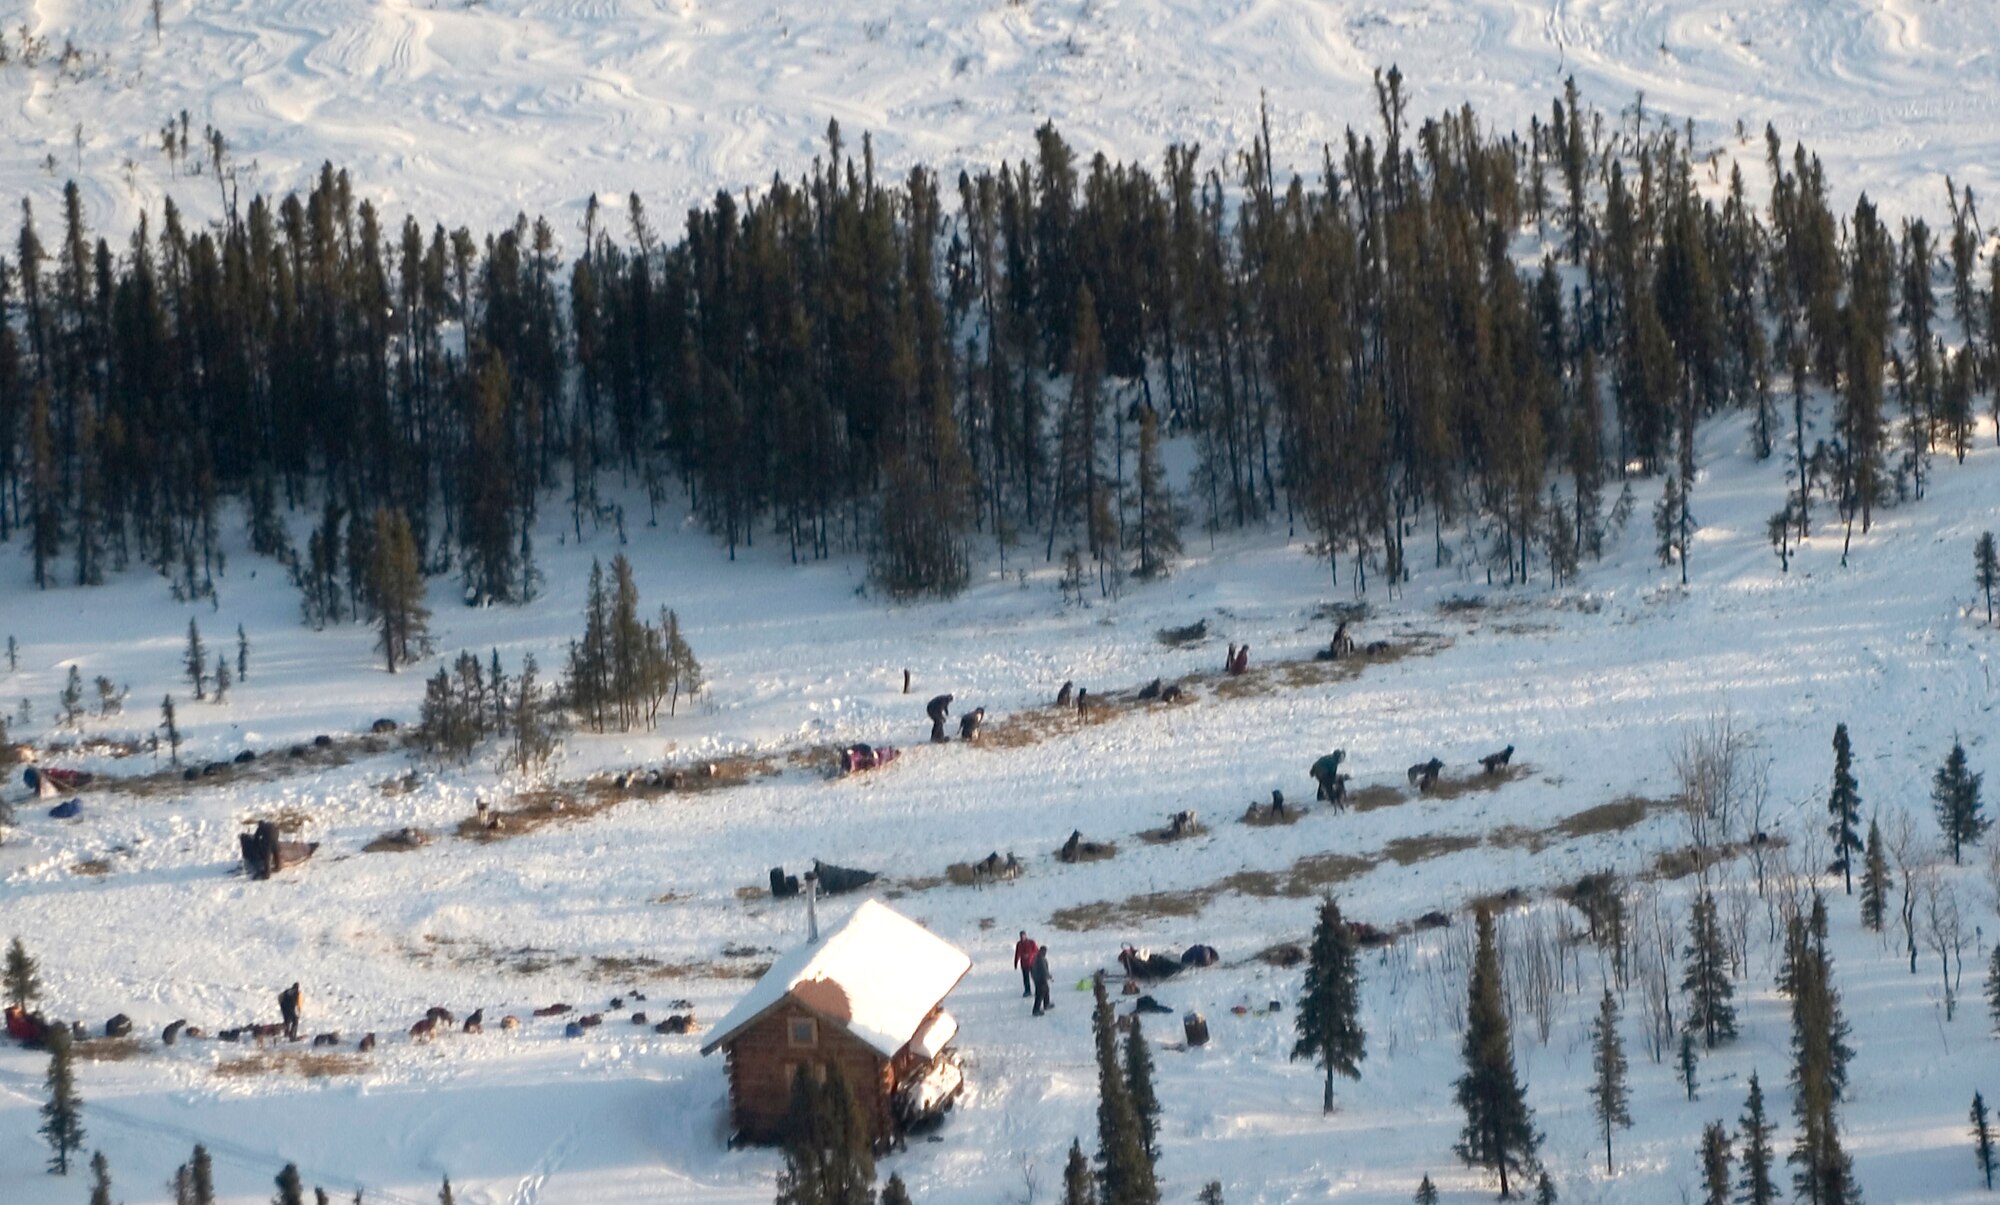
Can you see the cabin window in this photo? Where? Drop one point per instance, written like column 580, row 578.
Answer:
column 803, row 1031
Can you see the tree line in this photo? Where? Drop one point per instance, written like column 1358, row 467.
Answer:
column 1451, row 325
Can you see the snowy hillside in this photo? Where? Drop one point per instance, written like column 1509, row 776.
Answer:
column 661, row 894
column 471, row 112
column 596, row 890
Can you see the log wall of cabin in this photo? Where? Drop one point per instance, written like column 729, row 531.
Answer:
column 763, row 1058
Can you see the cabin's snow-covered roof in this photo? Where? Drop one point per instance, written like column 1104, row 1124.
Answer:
column 877, row 975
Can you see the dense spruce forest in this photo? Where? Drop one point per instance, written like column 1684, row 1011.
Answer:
column 1452, row 329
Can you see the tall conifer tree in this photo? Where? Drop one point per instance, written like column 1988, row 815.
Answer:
column 62, row 1112
column 1844, row 804
column 1982, row 1139
column 1124, row 1169
column 1608, row 1096
column 1327, row 1021
column 1756, row 1187
column 1714, row 1164
column 1955, row 793
column 1499, row 1133
column 1707, row 980
column 1874, row 880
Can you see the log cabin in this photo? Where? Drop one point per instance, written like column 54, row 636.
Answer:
column 868, row 997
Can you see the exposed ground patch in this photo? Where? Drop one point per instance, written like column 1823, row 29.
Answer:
column 268, row 767
column 1473, row 784
column 304, row 1063
column 107, row 1050
column 1316, row 873
column 736, row 962
column 396, row 841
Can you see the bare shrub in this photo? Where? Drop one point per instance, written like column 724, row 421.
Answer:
column 1907, row 854
column 1944, row 933
column 1655, row 949
column 1717, row 777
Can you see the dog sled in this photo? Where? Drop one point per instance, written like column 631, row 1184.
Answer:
column 50, row 780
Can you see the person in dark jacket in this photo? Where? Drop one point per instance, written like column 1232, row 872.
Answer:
column 289, row 1006
column 1024, row 957
column 1326, row 772
column 938, row 709
column 968, row 724
column 1040, row 974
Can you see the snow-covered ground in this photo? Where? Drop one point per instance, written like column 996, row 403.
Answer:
column 470, row 112
column 473, row 111
column 1592, row 684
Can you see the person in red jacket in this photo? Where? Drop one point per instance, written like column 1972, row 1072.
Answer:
column 1024, row 957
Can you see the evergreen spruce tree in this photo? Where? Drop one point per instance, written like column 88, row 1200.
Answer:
column 1756, row 1187
column 1210, row 1194
column 444, row 1194
column 1715, row 1164
column 222, row 680
column 534, row 734
column 1329, row 1029
column 1993, row 988
column 62, row 1113
column 1844, row 804
column 1986, row 569
column 681, row 662
column 628, row 644
column 1982, row 1139
column 1874, row 880
column 172, row 731
column 829, row 1156
column 242, row 655
column 1955, row 792
column 1545, row 1190
column 1158, row 526
column 201, row 1178
column 110, row 700
column 100, row 1179
column 45, row 499
column 70, row 703
column 490, row 503
column 1499, row 1133
column 1822, row 1172
column 291, row 1190
column 895, row 1192
column 1819, row 1018
column 1139, row 1082
column 589, row 671
column 1609, row 1100
column 1079, row 1186
column 195, row 661
column 1124, row 1169
column 396, row 591
column 1690, row 1063
column 1427, row 1193
column 1707, row 983
column 22, row 976
column 1668, row 526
